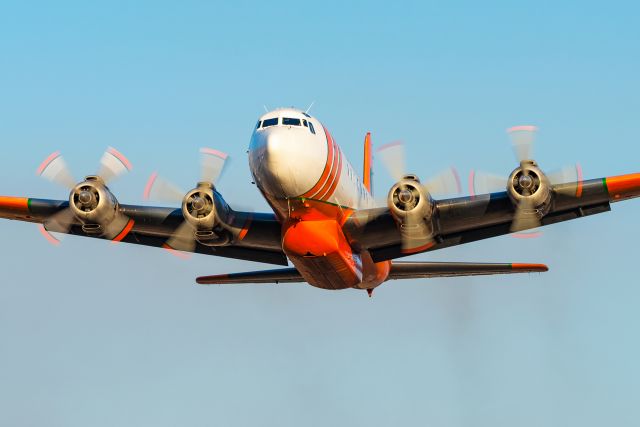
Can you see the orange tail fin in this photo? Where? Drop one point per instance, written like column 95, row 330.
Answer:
column 367, row 171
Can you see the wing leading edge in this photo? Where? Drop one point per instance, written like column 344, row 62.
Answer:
column 467, row 219
column 259, row 239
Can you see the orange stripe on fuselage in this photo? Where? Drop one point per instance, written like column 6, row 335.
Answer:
column 325, row 173
column 335, row 176
column 324, row 191
column 14, row 204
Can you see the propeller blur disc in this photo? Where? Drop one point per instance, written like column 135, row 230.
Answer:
column 55, row 169
column 212, row 164
column 183, row 239
column 162, row 190
column 392, row 156
column 522, row 138
column 113, row 164
column 446, row 182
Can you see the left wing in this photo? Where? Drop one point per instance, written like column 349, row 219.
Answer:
column 258, row 239
column 468, row 219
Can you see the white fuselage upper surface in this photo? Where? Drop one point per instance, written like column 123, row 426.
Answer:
column 292, row 155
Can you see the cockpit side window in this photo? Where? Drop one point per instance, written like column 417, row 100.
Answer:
column 259, row 123
column 313, row 131
column 304, row 122
column 287, row 121
column 270, row 122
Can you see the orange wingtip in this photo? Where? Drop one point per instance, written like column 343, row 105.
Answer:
column 14, row 204
column 530, row 267
column 623, row 186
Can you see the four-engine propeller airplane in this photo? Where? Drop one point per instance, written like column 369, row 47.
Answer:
column 324, row 219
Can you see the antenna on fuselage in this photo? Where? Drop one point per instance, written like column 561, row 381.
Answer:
column 265, row 108
column 309, row 108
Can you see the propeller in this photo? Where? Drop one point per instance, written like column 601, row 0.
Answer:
column 393, row 158
column 526, row 181
column 417, row 235
column 87, row 195
column 212, row 163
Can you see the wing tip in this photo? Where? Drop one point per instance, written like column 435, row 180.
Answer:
column 531, row 268
column 622, row 186
column 212, row 280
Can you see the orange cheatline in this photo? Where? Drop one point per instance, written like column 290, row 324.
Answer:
column 325, row 173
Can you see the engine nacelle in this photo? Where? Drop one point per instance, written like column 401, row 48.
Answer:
column 528, row 186
column 412, row 207
column 207, row 212
column 93, row 204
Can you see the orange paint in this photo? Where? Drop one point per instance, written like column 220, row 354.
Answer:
column 374, row 273
column 245, row 228
column 124, row 232
column 327, row 168
column 624, row 186
column 14, row 205
column 366, row 169
column 418, row 249
column 335, row 177
column 312, row 238
column 321, row 253
column 532, row 267
column 580, row 181
column 313, row 210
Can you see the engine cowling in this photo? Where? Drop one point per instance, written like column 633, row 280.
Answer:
column 528, row 186
column 207, row 212
column 93, row 204
column 412, row 207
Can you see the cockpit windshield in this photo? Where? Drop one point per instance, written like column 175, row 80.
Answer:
column 287, row 121
column 270, row 122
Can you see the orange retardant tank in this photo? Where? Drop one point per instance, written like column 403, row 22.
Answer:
column 321, row 253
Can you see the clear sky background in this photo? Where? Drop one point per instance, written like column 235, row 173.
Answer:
column 97, row 335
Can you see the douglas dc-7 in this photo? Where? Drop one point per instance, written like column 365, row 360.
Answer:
column 325, row 220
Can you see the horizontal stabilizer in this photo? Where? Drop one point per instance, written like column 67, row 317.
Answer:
column 282, row 275
column 412, row 270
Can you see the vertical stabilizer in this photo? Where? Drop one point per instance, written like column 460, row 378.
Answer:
column 367, row 172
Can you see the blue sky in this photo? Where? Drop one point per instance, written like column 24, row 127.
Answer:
column 92, row 334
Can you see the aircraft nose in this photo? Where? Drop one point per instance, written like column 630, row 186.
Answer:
column 268, row 158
